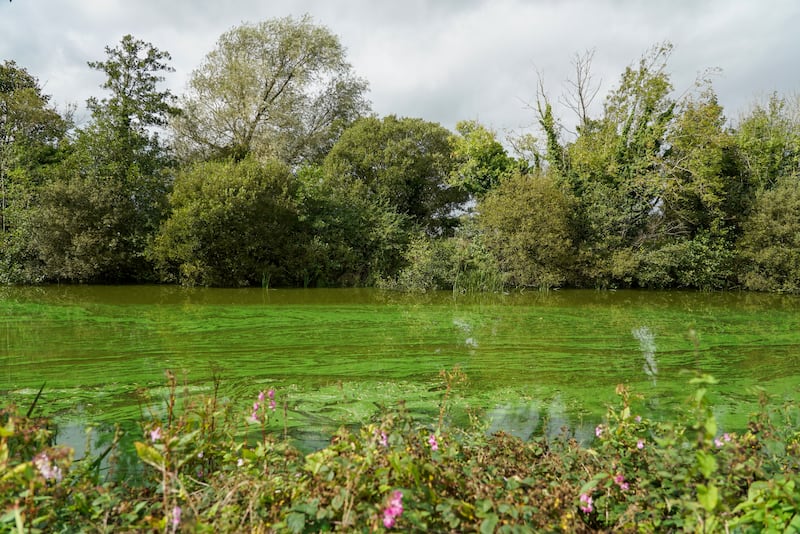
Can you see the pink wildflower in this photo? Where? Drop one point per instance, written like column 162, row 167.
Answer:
column 271, row 394
column 718, row 442
column 433, row 443
column 394, row 509
column 586, row 503
column 384, row 441
column 260, row 396
column 46, row 468
column 176, row 516
column 598, row 430
column 619, row 480
column 640, row 444
column 155, row 434
column 272, row 405
column 638, row 419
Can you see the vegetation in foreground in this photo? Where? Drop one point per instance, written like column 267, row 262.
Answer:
column 202, row 471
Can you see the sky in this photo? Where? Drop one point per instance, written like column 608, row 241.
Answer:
column 440, row 60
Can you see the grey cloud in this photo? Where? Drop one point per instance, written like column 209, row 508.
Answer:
column 442, row 60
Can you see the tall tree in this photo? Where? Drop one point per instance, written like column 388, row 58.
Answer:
column 31, row 132
column 278, row 89
column 96, row 217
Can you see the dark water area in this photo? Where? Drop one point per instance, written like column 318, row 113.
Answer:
column 536, row 362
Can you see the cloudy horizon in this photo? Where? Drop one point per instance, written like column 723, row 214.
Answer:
column 443, row 61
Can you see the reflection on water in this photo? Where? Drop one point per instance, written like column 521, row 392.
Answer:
column 647, row 345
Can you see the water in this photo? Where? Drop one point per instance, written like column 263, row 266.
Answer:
column 535, row 362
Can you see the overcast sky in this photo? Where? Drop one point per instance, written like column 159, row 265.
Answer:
column 441, row 60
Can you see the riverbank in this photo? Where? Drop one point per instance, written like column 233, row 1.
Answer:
column 211, row 465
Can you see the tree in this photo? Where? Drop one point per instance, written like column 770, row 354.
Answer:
column 403, row 163
column 30, row 134
column 614, row 167
column 699, row 169
column 97, row 215
column 232, row 224
column 481, row 162
column 527, row 223
column 278, row 89
column 768, row 142
column 769, row 249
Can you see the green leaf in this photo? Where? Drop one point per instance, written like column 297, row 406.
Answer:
column 296, row 522
column 711, row 426
column 149, row 455
column 706, row 463
column 488, row 524
column 707, row 496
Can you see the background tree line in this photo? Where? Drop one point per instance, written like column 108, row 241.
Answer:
column 271, row 169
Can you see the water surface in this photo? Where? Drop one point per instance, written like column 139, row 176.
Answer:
column 535, row 361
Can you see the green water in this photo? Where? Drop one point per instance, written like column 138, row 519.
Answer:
column 535, row 362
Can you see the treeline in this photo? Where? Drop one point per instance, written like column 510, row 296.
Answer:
column 271, row 170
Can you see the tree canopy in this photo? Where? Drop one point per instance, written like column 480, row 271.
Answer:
column 281, row 89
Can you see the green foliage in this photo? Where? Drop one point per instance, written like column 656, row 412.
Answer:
column 700, row 192
column 30, row 134
column 528, row 228
column 232, row 224
column 350, row 239
column 769, row 249
column 277, row 89
column 461, row 263
column 209, row 465
column 401, row 163
column 94, row 216
column 481, row 161
column 768, row 142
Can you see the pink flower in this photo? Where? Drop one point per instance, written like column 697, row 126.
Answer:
column 586, row 503
column 176, row 516
column 598, row 430
column 638, row 419
column 47, row 469
column 394, row 509
column 260, row 396
column 271, row 394
column 619, row 480
column 272, row 405
column 433, row 443
column 383, row 440
column 155, row 434
column 640, row 444
column 718, row 442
